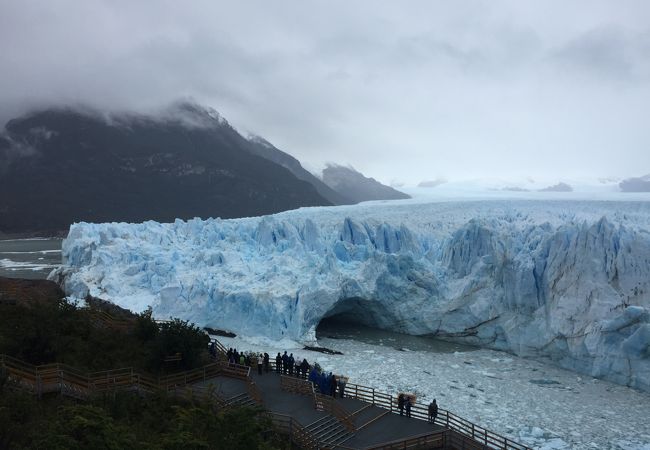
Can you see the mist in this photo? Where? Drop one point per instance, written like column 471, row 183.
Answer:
column 403, row 93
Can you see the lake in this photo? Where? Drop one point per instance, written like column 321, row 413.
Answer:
column 29, row 258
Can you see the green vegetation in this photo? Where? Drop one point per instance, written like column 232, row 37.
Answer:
column 58, row 331
column 128, row 421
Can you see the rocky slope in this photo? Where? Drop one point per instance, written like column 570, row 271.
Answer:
column 61, row 166
column 357, row 187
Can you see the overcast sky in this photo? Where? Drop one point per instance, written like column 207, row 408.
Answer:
column 403, row 91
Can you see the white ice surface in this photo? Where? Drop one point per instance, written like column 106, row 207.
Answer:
column 562, row 279
column 492, row 389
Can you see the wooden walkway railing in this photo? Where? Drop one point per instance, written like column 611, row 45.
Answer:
column 107, row 320
column 70, row 381
column 437, row 439
column 296, row 385
column 296, row 432
column 477, row 433
column 331, row 406
column 467, row 435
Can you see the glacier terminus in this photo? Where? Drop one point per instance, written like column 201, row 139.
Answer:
column 559, row 280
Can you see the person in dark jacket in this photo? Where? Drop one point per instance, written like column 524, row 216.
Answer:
column 292, row 363
column 333, row 386
column 326, row 383
column 304, row 367
column 400, row 404
column 278, row 363
column 313, row 375
column 342, row 384
column 408, row 405
column 433, row 411
column 266, row 362
column 285, row 363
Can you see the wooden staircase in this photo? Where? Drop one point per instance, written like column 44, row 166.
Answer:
column 328, row 432
column 242, row 400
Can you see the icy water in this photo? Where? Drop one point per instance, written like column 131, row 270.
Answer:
column 530, row 401
column 29, row 258
column 336, row 329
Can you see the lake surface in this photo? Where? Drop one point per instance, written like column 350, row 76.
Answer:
column 29, row 258
column 339, row 329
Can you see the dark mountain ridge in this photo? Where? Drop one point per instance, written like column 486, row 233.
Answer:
column 637, row 184
column 263, row 148
column 357, row 187
column 60, row 166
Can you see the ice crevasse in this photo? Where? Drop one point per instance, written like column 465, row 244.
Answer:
column 567, row 281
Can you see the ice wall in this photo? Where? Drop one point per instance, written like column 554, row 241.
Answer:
column 569, row 281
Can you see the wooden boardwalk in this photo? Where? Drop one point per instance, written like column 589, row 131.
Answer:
column 366, row 419
column 372, row 425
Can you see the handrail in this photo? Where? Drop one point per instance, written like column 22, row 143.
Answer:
column 60, row 377
column 418, row 411
column 335, row 409
column 445, row 418
column 297, row 433
column 254, row 392
column 434, row 437
column 108, row 320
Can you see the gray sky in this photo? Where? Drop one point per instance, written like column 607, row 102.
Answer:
column 401, row 90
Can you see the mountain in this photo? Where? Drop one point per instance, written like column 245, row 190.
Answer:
column 60, row 166
column 261, row 147
column 358, row 188
column 432, row 183
column 560, row 187
column 640, row 184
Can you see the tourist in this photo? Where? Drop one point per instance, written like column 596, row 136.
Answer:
column 400, row 404
column 285, row 362
column 326, row 387
column 304, row 367
column 342, row 383
column 408, row 406
column 260, row 362
column 313, row 375
column 213, row 350
column 292, row 362
column 242, row 359
column 266, row 362
column 333, row 385
column 235, row 356
column 278, row 363
column 433, row 411
column 229, row 354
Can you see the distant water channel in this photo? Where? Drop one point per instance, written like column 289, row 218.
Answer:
column 29, row 258
column 341, row 329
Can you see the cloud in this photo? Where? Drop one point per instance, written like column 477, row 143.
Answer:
column 399, row 91
column 607, row 52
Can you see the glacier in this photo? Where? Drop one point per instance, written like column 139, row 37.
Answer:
column 557, row 280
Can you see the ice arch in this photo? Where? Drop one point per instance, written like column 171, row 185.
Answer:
column 357, row 310
column 565, row 280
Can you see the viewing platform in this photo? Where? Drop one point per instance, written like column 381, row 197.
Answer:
column 365, row 419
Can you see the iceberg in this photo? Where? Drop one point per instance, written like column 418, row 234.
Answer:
column 564, row 281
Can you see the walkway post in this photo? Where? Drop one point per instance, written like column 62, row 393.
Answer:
column 373, row 396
